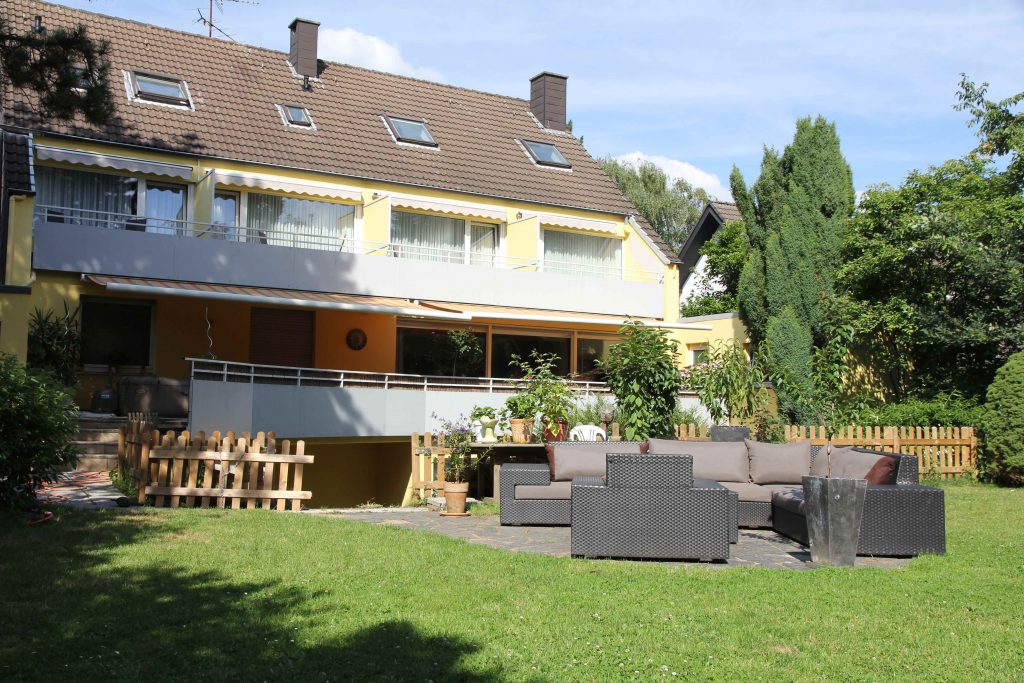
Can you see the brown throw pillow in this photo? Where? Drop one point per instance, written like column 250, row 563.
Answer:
column 883, row 471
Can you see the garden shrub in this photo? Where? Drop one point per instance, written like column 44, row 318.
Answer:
column 789, row 344
column 1003, row 424
column 642, row 372
column 37, row 424
column 54, row 343
column 943, row 410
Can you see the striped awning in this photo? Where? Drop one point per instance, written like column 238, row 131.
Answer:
column 274, row 297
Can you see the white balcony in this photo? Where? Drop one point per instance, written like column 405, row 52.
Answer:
column 96, row 242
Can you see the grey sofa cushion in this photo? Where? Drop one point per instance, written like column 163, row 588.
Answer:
column 779, row 463
column 793, row 501
column 568, row 459
column 749, row 493
column 558, row 490
column 719, row 460
column 848, row 463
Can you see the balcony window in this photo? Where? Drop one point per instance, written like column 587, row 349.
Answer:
column 163, row 89
column 225, row 215
column 116, row 333
column 441, row 352
column 413, row 131
column 577, row 254
column 504, row 346
column 165, row 208
column 439, row 238
column 85, row 198
column 302, row 223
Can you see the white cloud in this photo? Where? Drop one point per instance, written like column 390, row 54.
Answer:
column 350, row 46
column 681, row 169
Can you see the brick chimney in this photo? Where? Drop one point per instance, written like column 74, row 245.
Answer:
column 302, row 54
column 547, row 99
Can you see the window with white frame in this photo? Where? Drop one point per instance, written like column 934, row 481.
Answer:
column 158, row 88
column 579, row 254
column 298, row 222
column 108, row 200
column 427, row 237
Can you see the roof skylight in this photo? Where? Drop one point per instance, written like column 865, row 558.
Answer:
column 297, row 115
column 414, row 131
column 163, row 89
column 545, row 154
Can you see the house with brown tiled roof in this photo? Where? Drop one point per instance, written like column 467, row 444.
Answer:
column 267, row 240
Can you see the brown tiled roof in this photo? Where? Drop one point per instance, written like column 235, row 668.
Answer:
column 727, row 210
column 236, row 87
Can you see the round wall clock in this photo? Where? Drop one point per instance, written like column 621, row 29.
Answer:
column 356, row 339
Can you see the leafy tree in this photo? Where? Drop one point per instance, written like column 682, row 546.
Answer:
column 733, row 388
column 933, row 273
column 65, row 67
column 794, row 215
column 708, row 303
column 643, row 374
column 37, row 424
column 671, row 208
column 1003, row 423
column 726, row 253
column 1000, row 128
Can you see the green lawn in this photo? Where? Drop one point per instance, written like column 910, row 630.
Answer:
column 206, row 595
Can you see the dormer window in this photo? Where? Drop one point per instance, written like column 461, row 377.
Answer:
column 545, row 154
column 296, row 115
column 413, row 131
column 162, row 89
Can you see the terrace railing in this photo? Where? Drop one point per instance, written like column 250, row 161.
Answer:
column 302, row 237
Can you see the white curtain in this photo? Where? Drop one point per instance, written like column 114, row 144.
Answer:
column 165, row 208
column 81, row 197
column 302, row 223
column 428, row 238
column 483, row 243
column 566, row 252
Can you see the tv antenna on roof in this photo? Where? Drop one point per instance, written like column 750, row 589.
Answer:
column 208, row 20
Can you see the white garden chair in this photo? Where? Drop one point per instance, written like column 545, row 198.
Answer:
column 587, row 433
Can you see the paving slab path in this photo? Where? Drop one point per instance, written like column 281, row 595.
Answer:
column 756, row 547
column 79, row 489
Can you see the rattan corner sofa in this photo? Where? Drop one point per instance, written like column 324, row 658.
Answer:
column 901, row 518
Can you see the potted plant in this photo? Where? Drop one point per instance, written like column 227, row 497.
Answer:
column 551, row 396
column 520, row 409
column 456, row 436
column 487, row 417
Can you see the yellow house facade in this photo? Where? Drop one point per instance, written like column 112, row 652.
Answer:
column 270, row 242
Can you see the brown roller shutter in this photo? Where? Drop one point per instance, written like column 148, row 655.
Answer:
column 282, row 337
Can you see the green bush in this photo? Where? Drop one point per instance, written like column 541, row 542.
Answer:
column 944, row 410
column 789, row 350
column 592, row 412
column 54, row 344
column 708, row 304
column 37, row 424
column 643, row 374
column 1003, row 424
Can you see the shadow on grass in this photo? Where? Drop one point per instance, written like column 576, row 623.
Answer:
column 71, row 614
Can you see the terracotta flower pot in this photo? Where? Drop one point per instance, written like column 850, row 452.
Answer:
column 560, row 435
column 455, row 494
column 521, row 430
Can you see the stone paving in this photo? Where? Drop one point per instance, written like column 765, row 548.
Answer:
column 82, row 490
column 756, row 547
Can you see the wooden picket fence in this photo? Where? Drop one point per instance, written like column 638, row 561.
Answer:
column 195, row 471
column 428, row 460
column 942, row 452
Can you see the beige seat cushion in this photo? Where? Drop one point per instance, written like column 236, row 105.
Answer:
column 749, row 493
column 558, row 490
column 717, row 460
column 568, row 460
column 783, row 488
column 779, row 463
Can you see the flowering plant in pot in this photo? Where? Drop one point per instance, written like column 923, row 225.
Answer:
column 551, row 396
column 519, row 410
column 456, row 435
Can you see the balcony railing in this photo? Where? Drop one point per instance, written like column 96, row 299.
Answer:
column 303, row 238
column 248, row 373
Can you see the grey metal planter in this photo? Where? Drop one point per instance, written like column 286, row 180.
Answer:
column 834, row 508
column 729, row 433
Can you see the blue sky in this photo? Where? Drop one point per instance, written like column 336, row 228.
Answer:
column 695, row 87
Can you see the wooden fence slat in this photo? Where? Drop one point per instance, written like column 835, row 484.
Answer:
column 295, row 496
column 300, row 449
column 169, row 454
column 282, row 476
